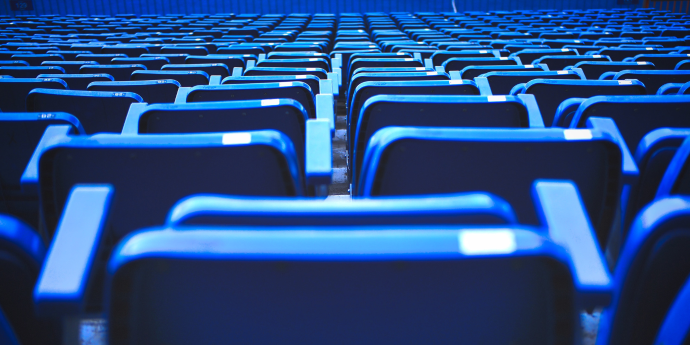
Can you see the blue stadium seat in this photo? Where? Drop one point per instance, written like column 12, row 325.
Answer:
column 501, row 83
column 79, row 81
column 102, row 59
column 118, row 72
column 15, row 90
column 312, row 62
column 172, row 58
column 70, row 67
column 266, row 71
column 151, row 63
column 458, row 64
column 185, row 78
column 683, row 65
column 30, row 71
column 37, row 59
column 97, row 111
column 670, row 89
column 661, row 61
column 653, row 79
column 559, row 62
column 471, row 72
column 675, row 330
column 550, row 93
column 311, row 80
column 360, row 78
column 530, row 56
column 151, row 91
column 431, row 160
column 210, row 68
column 230, row 61
column 651, row 270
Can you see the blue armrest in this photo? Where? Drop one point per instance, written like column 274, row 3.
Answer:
column 339, row 72
column 454, row 75
column 214, row 80
column 325, row 110
column 605, row 124
column 326, row 86
column 543, row 66
column 440, row 69
column 483, row 86
column 182, row 94
column 333, row 76
column 262, row 57
column 566, row 107
column 237, row 72
column 319, row 160
column 337, row 62
column 560, row 209
column 579, row 72
column 64, row 280
column 250, row 64
column 518, row 89
column 607, row 76
column 428, row 64
column 131, row 125
column 535, row 118
column 52, row 135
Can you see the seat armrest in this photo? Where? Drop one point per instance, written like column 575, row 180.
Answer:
column 133, row 115
column 339, row 72
column 607, row 76
column 561, row 210
column 336, row 62
column 418, row 57
column 250, row 64
column 605, row 124
column 326, row 86
column 533, row 112
column 182, row 94
column 214, row 80
column 262, row 57
column 566, row 107
column 518, row 89
column 237, row 72
column 579, row 72
column 483, row 86
column 325, row 110
column 319, row 160
column 333, row 76
column 63, row 283
column 454, row 75
column 53, row 134
column 440, row 69
column 428, row 64
column 543, row 66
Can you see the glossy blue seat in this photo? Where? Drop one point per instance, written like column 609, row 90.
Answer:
column 70, row 67
column 229, row 60
column 366, row 285
column 209, row 68
column 411, row 161
column 458, row 64
column 118, row 72
column 312, row 62
column 15, row 90
column 651, row 270
column 661, row 61
column 594, row 69
column 97, row 111
column 311, row 80
column 471, row 72
column 530, row 56
column 270, row 71
column 559, row 62
column 30, row 71
column 652, row 79
column 675, row 330
column 360, row 78
column 550, row 93
column 151, row 63
column 80, row 81
column 151, row 91
column 185, row 78
column 102, row 59
column 501, row 83
column 636, row 116
column 670, row 89
column 439, row 57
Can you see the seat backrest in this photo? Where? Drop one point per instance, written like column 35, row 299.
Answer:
column 151, row 63
column 400, row 76
column 15, row 90
column 151, row 91
column 97, row 111
column 594, row 69
column 310, row 80
column 458, row 64
column 502, row 82
column 70, row 67
column 152, row 172
column 80, row 81
column 266, row 71
column 230, row 61
column 471, row 72
column 559, row 62
column 676, row 327
column 209, row 68
column 636, row 116
column 431, row 160
column 118, row 72
column 651, row 270
column 654, row 79
column 528, row 56
column 550, row 93
column 185, row 78
column 662, row 61
column 30, row 71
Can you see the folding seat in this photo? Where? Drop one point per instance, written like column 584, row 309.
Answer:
column 20, row 133
column 619, row 54
column 23, row 253
column 103, row 59
column 266, row 71
column 295, row 90
column 37, row 59
column 500, row 83
column 529, row 56
column 151, row 91
column 437, row 160
column 30, row 71
column 458, row 64
column 118, row 72
column 231, row 61
column 541, row 279
column 675, row 329
column 560, row 62
column 11, row 63
column 80, row 81
column 471, row 72
column 180, row 49
column 127, row 49
column 172, row 58
column 151, row 63
column 70, row 67
column 661, row 61
column 635, row 115
column 439, row 57
column 652, row 269
column 550, row 93
column 97, row 111
column 594, row 69
column 15, row 90
column 210, row 68
column 399, row 76
column 185, row 78
column 653, row 79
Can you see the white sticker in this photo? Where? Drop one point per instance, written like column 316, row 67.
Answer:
column 300, row 76
column 596, row 56
column 641, row 62
column 577, row 134
column 565, row 50
column 284, row 84
column 431, row 73
column 311, row 69
column 237, row 138
column 483, row 52
column 420, row 68
column 402, row 53
column 625, row 82
column 408, row 59
column 529, row 66
column 372, row 46
column 503, row 58
column 477, row 242
column 267, row 102
column 360, row 30
column 649, row 48
column 577, row 41
column 455, row 82
column 496, row 98
column 562, row 72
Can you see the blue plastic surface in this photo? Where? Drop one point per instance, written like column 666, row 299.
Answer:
column 676, row 327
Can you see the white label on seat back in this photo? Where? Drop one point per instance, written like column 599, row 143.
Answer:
column 237, row 138
column 455, row 82
column 641, row 62
column 650, row 48
column 420, row 68
column 300, row 76
column 284, row 84
column 577, row 41
column 596, row 56
column 565, row 50
column 496, row 98
column 625, row 82
column 409, row 59
column 431, row 73
column 401, row 53
column 477, row 242
column 372, row 46
column 483, row 51
column 577, row 134
column 265, row 102
column 313, row 59
column 562, row 72
column 529, row 66
column 311, row 69
column 504, row 58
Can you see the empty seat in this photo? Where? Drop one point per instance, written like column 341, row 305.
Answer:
column 458, row 64
column 30, row 71
column 653, row 80
column 311, row 80
column 550, row 93
column 189, row 50
column 661, row 61
column 529, row 56
column 670, row 89
column 97, row 111
column 263, row 71
column 209, row 68
column 230, row 61
column 448, row 160
column 37, row 59
column 471, row 72
column 151, row 91
column 675, row 330
column 296, row 63
column 118, row 72
column 151, row 63
column 500, row 83
column 70, row 67
column 185, row 78
column 594, row 69
column 80, row 81
column 683, row 65
column 103, row 59
column 172, row 58
column 439, row 57
column 15, row 90
column 402, row 76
